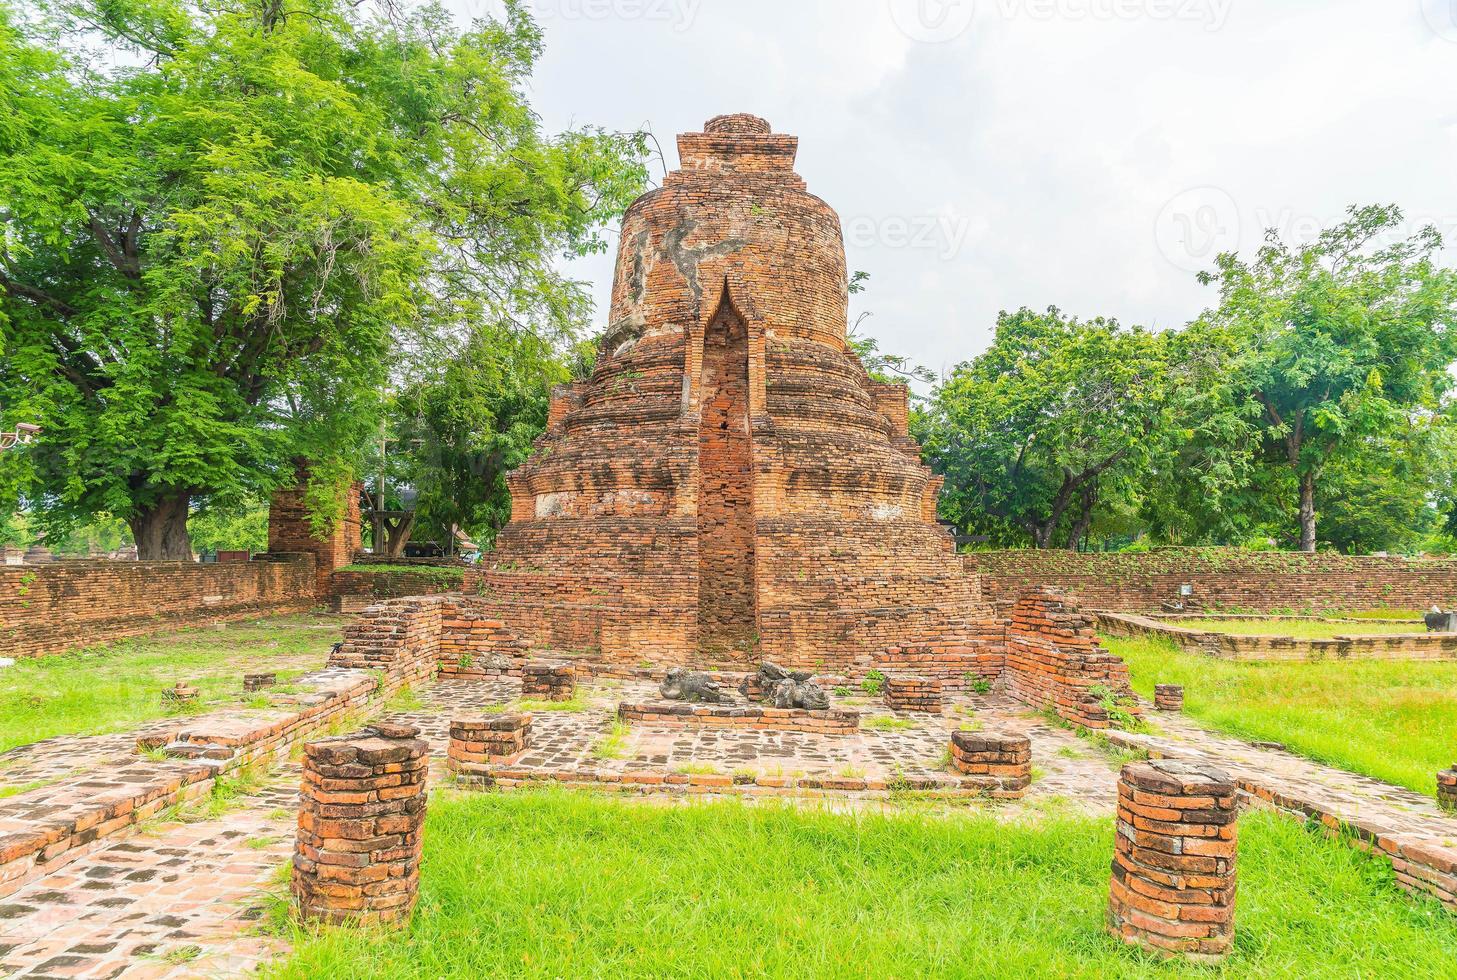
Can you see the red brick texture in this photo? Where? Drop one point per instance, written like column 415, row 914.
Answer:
column 1447, row 789
column 290, row 532
column 1168, row 697
column 360, row 827
column 1002, row 763
column 1173, row 883
column 835, row 721
column 477, row 744
column 1221, row 578
column 1053, row 658
column 904, row 693
column 68, row 605
column 548, row 681
column 730, row 484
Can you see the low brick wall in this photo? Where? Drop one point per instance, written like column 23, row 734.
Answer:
column 835, row 721
column 1220, row 578
column 393, row 584
column 69, row 605
column 1053, row 659
column 1227, row 646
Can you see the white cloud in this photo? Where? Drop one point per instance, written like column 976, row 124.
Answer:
column 1052, row 143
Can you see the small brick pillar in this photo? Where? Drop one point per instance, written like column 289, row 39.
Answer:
column 548, row 682
column 476, row 744
column 1001, row 764
column 1447, row 789
column 360, row 824
column 257, row 682
column 1173, row 881
column 913, row 694
column 1168, row 697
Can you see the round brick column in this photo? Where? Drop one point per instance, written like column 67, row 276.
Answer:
column 1168, row 697
column 357, row 858
column 1173, row 880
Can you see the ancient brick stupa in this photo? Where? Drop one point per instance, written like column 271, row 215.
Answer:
column 731, row 484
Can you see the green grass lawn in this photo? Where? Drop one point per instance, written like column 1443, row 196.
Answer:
column 1305, row 628
column 1394, row 720
column 577, row 885
column 118, row 686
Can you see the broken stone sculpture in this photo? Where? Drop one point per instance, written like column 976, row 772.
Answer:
column 787, row 689
column 683, row 684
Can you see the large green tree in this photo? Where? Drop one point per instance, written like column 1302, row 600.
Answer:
column 1335, row 343
column 224, row 225
column 467, row 424
column 1032, row 432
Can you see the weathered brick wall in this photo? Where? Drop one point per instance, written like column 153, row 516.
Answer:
column 1229, row 646
column 290, row 532
column 1222, row 578
column 393, row 585
column 69, row 605
column 1053, row 658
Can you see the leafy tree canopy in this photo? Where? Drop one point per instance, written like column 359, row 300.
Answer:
column 224, row 226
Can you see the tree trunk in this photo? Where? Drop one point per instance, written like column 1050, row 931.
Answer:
column 160, row 530
column 1089, row 499
column 1307, row 512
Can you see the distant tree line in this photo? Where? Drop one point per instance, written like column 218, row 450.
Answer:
column 1310, row 407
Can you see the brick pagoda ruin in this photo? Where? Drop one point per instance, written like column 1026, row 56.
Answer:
column 731, row 483
column 732, row 486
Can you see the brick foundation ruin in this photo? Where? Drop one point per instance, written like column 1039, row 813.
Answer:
column 913, row 694
column 1168, row 697
column 548, row 682
column 360, row 823
column 478, row 744
column 835, row 721
column 1173, row 882
column 1053, row 658
column 1001, row 764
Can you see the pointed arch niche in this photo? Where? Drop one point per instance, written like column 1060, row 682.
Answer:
column 727, row 600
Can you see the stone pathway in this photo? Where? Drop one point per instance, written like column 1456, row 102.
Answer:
column 1358, row 797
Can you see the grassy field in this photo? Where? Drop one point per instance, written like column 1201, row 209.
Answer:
column 1393, row 720
column 575, row 885
column 1304, row 628
column 118, row 686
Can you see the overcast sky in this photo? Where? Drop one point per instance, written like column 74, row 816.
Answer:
column 990, row 154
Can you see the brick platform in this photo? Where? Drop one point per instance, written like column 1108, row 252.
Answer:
column 1004, row 761
column 913, row 694
column 357, row 858
column 835, row 721
column 1168, row 697
column 1173, row 883
column 477, row 744
column 1447, row 789
column 548, row 682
